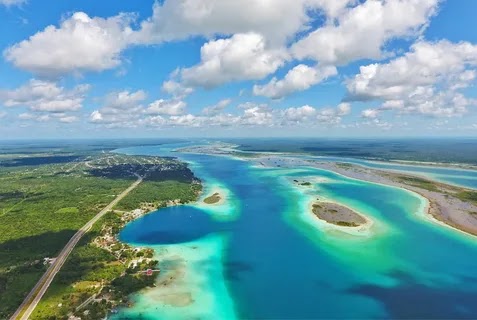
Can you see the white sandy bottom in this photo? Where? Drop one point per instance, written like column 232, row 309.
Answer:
column 191, row 284
column 224, row 210
column 309, row 195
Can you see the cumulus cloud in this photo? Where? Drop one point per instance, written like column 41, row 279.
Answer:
column 176, row 89
column 370, row 113
column 216, row 108
column 167, row 107
column 300, row 78
column 249, row 114
column 126, row 109
column 241, row 57
column 425, row 80
column 124, row 100
column 45, row 117
column 83, row 43
column 277, row 20
column 308, row 115
column 121, row 108
column 45, row 96
column 363, row 30
column 298, row 115
column 96, row 116
column 79, row 44
column 334, row 115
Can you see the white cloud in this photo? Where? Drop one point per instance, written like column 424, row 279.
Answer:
column 277, row 20
column 120, row 108
column 249, row 114
column 44, row 96
column 333, row 116
column 298, row 115
column 425, row 80
column 309, row 115
column 9, row 3
column 68, row 119
column 124, row 100
column 300, row 78
column 241, row 57
column 79, row 44
column 96, row 116
column 167, row 107
column 370, row 113
column 216, row 108
column 176, row 89
column 362, row 31
column 45, row 117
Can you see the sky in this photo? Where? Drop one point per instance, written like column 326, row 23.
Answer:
column 237, row 68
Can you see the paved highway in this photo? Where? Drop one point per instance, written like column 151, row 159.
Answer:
column 35, row 295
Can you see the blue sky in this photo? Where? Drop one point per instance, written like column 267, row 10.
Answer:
column 209, row 68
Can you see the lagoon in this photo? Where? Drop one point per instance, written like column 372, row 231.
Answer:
column 263, row 256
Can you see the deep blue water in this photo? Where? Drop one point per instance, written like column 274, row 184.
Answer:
column 278, row 267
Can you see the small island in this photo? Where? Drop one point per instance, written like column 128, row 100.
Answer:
column 213, row 199
column 337, row 214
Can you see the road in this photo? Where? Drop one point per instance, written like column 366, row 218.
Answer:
column 31, row 301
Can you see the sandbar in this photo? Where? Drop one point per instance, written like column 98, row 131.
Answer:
column 337, row 214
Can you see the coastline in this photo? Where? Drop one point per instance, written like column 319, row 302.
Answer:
column 444, row 209
column 363, row 229
column 185, row 288
column 177, row 287
column 439, row 209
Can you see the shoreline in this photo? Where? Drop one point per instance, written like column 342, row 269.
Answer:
column 329, row 211
column 177, row 276
column 435, row 201
column 210, row 198
column 363, row 229
column 455, row 213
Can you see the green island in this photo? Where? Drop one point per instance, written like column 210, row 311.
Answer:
column 213, row 199
column 46, row 197
column 337, row 214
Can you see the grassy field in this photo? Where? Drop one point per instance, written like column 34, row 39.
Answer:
column 43, row 205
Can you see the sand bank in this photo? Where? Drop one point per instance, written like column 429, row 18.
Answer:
column 337, row 214
column 191, row 284
column 443, row 204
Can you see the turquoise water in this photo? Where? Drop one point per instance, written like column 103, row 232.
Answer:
column 270, row 260
column 459, row 177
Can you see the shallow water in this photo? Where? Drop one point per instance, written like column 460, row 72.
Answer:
column 271, row 259
column 459, row 177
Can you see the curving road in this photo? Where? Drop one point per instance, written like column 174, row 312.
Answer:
column 31, row 301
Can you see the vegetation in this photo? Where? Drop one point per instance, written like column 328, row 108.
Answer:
column 419, row 182
column 95, row 272
column 156, row 194
column 213, row 198
column 347, row 224
column 344, row 165
column 337, row 214
column 43, row 205
column 467, row 196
